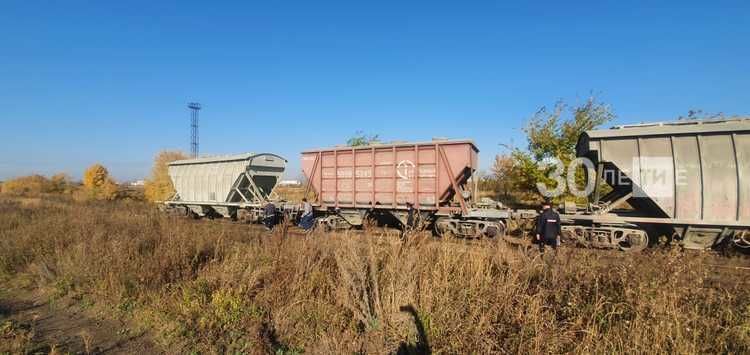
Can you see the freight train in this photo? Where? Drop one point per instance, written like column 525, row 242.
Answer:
column 686, row 181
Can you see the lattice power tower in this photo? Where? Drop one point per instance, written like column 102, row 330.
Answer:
column 194, row 108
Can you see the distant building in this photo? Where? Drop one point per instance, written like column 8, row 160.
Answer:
column 138, row 183
column 289, row 183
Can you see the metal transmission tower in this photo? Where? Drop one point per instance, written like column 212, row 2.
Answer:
column 194, row 108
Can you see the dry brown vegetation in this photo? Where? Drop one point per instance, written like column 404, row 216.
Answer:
column 292, row 193
column 217, row 287
column 38, row 184
column 96, row 185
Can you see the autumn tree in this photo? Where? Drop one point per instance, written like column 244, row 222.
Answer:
column 504, row 173
column 159, row 185
column 552, row 136
column 97, row 183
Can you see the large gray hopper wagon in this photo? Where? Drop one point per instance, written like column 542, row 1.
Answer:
column 687, row 180
column 223, row 185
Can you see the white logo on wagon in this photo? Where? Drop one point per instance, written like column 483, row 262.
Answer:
column 403, row 168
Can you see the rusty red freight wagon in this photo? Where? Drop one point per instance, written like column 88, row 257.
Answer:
column 390, row 175
column 379, row 179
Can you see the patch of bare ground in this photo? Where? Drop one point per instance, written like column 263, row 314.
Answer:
column 32, row 322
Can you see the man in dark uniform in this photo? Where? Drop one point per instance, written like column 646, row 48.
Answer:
column 411, row 220
column 410, row 215
column 548, row 228
column 269, row 220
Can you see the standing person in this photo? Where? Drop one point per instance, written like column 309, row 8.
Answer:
column 269, row 220
column 548, row 227
column 306, row 219
column 411, row 220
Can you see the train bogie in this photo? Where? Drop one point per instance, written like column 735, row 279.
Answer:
column 469, row 228
column 624, row 238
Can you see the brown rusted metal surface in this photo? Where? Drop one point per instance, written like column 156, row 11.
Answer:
column 454, row 185
column 390, row 175
column 311, row 178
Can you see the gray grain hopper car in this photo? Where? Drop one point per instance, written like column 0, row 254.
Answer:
column 686, row 181
column 225, row 185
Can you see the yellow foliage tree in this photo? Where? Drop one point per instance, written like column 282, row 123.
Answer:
column 98, row 184
column 159, row 186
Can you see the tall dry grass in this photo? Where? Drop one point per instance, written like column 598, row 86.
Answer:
column 217, row 287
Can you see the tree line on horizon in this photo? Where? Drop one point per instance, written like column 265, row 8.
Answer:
column 96, row 183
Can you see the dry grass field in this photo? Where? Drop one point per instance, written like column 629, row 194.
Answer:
column 153, row 283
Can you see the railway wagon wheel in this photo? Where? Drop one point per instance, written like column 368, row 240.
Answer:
column 323, row 224
column 443, row 229
column 634, row 241
column 511, row 226
column 494, row 231
column 741, row 239
column 578, row 235
column 190, row 214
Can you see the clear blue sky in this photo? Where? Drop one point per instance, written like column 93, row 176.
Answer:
column 106, row 81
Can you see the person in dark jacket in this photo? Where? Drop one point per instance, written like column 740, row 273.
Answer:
column 410, row 216
column 411, row 220
column 269, row 220
column 548, row 227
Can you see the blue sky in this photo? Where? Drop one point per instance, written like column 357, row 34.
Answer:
column 105, row 81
